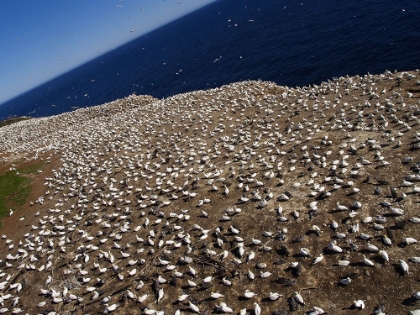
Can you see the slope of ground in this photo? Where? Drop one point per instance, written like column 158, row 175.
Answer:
column 245, row 196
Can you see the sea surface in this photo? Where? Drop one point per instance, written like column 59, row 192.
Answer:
column 286, row 41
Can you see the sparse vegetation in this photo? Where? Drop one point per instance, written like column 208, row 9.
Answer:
column 31, row 168
column 15, row 187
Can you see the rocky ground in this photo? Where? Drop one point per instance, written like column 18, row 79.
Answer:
column 243, row 198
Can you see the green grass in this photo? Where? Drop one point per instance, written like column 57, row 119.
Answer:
column 31, row 169
column 15, row 188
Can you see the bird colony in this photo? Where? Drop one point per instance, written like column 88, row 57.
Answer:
column 250, row 198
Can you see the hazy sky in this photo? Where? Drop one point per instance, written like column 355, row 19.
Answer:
column 41, row 39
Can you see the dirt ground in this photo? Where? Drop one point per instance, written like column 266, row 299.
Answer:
column 290, row 165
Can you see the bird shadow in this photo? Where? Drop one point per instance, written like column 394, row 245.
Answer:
column 379, row 260
column 267, row 299
column 337, row 211
column 351, row 193
column 282, row 251
column 350, row 308
column 398, row 269
column 410, row 301
column 186, row 287
column 203, row 288
column 365, row 251
column 186, row 310
column 358, row 264
column 345, row 220
column 311, row 232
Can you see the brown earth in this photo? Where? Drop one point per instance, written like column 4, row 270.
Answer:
column 223, row 114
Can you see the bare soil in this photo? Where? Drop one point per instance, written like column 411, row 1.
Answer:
column 312, row 122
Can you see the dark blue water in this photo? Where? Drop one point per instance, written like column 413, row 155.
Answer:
column 286, row 41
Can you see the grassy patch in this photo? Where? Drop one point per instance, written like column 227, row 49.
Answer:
column 32, row 168
column 15, row 187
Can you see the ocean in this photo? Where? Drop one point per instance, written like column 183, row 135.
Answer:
column 285, row 41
